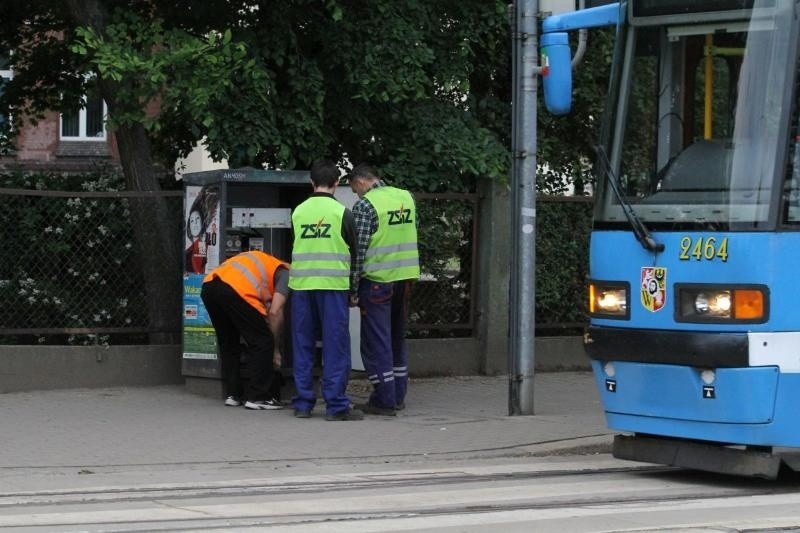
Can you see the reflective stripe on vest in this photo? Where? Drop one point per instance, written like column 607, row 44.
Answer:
column 251, row 275
column 259, row 285
column 393, row 254
column 391, row 248
column 320, row 256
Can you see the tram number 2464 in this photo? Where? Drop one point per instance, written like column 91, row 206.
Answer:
column 708, row 248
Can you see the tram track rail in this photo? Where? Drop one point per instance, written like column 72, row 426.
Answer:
column 187, row 501
column 366, row 481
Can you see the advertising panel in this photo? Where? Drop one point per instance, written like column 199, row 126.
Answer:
column 199, row 340
column 201, row 245
column 201, row 255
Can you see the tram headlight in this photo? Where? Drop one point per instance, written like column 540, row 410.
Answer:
column 608, row 299
column 716, row 303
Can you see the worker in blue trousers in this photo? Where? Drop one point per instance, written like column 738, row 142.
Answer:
column 386, row 264
column 320, row 277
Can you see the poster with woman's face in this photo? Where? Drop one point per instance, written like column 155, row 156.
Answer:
column 201, row 245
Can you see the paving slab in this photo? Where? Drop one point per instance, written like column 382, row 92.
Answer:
column 150, row 430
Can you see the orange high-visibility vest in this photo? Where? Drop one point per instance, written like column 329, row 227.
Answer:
column 251, row 275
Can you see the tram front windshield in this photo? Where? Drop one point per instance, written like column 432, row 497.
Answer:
column 699, row 121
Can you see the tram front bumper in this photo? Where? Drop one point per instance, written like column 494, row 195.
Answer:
column 707, row 457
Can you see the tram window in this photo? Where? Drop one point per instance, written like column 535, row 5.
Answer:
column 638, row 153
column 723, row 99
column 676, row 165
column 792, row 185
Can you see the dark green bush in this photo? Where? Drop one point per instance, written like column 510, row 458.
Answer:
column 562, row 263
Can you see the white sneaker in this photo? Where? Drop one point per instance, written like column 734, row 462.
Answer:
column 232, row 401
column 270, row 404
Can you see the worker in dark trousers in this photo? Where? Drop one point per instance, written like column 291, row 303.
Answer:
column 386, row 264
column 245, row 297
column 322, row 258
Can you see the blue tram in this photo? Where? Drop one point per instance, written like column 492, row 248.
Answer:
column 694, row 295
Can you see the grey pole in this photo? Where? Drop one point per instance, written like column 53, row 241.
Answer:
column 523, row 216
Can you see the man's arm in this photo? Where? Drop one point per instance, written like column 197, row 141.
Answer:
column 349, row 236
column 275, row 313
column 366, row 220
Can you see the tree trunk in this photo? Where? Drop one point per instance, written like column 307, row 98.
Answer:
column 152, row 227
column 154, row 231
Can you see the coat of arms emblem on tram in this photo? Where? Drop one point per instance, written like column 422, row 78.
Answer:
column 654, row 288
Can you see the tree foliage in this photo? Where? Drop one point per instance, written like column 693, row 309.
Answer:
column 418, row 88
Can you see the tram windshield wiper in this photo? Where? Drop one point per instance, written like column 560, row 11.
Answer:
column 641, row 232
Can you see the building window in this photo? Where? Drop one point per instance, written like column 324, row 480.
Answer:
column 86, row 123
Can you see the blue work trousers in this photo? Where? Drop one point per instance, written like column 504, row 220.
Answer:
column 321, row 314
column 384, row 312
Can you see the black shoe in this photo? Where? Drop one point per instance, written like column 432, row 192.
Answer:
column 375, row 410
column 400, row 406
column 302, row 413
column 271, row 405
column 350, row 414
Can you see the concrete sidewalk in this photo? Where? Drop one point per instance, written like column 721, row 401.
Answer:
column 165, row 428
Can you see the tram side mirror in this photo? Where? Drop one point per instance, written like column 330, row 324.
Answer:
column 556, row 62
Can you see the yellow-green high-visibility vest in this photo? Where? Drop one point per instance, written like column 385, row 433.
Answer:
column 392, row 254
column 320, row 256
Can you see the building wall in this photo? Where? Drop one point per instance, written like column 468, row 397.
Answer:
column 38, row 148
column 38, row 143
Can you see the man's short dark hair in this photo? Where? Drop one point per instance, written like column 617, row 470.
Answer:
column 364, row 171
column 324, row 173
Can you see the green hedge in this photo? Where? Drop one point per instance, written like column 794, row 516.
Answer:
column 562, row 263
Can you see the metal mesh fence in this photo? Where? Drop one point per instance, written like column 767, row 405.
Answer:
column 443, row 301
column 70, row 270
